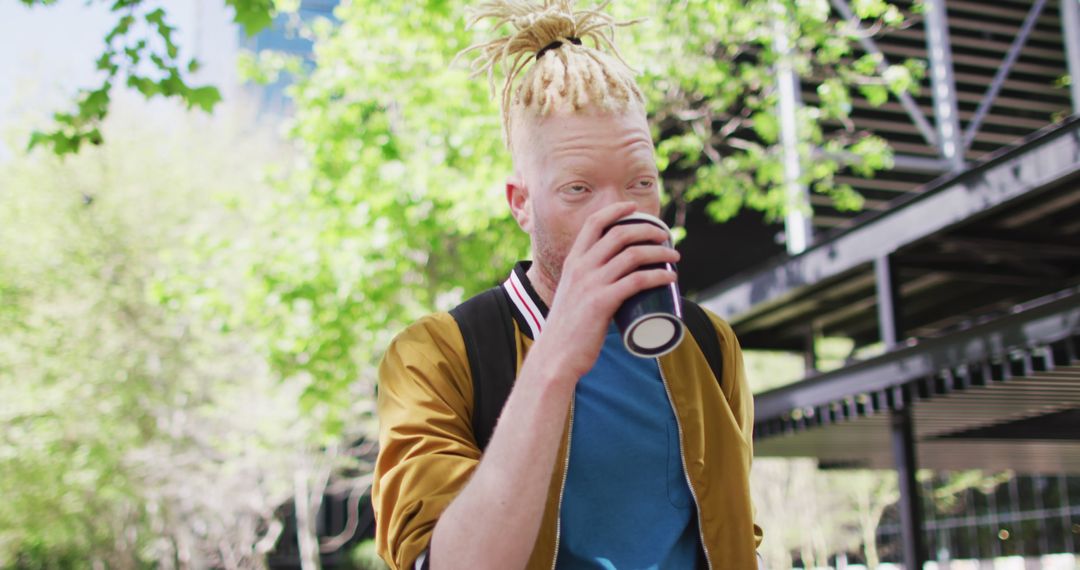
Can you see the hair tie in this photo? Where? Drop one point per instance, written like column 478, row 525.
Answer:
column 555, row 45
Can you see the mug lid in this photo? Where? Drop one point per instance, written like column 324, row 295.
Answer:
column 654, row 335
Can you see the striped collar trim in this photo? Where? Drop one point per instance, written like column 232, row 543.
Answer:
column 529, row 310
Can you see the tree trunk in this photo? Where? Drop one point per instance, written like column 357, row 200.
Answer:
column 306, row 532
column 869, row 530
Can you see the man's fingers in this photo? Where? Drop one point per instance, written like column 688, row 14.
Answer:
column 635, row 257
column 621, row 238
column 641, row 280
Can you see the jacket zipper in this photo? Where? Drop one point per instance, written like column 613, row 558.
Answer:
column 686, row 472
column 562, row 485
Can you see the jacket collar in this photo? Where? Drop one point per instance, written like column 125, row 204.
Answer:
column 529, row 309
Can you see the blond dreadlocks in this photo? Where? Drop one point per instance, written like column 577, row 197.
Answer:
column 566, row 74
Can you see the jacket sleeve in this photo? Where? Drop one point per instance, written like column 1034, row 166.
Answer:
column 737, row 390
column 427, row 450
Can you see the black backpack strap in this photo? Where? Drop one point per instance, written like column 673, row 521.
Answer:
column 703, row 331
column 487, row 325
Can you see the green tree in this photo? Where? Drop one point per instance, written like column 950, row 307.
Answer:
column 140, row 53
column 708, row 69
column 802, row 510
column 870, row 493
column 144, row 421
column 403, row 164
column 388, row 205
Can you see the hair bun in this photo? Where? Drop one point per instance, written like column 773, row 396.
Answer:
column 539, row 26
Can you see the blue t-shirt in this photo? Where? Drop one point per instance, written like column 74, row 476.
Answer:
column 626, row 503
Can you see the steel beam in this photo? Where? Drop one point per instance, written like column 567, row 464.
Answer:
column 1037, row 326
column 946, row 112
column 911, row 515
column 1070, row 33
column 1051, row 156
column 870, row 46
column 910, row 163
column 1003, row 72
column 798, row 228
column 901, row 162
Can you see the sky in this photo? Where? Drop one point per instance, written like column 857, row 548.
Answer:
column 48, row 52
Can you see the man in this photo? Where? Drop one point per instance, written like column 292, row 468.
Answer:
column 600, row 459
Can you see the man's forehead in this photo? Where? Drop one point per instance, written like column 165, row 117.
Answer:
column 581, row 128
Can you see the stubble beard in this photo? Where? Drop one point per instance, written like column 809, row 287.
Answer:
column 549, row 258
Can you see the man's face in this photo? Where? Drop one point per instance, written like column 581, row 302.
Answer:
column 569, row 165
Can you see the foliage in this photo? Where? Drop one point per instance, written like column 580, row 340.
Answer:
column 191, row 339
column 708, row 68
column 403, row 163
column 364, row 557
column 396, row 207
column 140, row 53
column 143, row 419
column 802, row 510
column 870, row 493
column 817, row 514
column 947, row 496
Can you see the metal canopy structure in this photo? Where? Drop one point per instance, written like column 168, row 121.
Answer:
column 993, row 77
column 973, row 288
column 963, row 275
column 997, row 396
column 973, row 244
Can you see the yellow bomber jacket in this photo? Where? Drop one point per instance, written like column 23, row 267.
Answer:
column 428, row 452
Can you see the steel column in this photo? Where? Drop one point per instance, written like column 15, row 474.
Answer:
column 797, row 226
column 1070, row 34
column 1066, row 520
column 810, row 352
column 903, row 447
column 946, row 113
column 887, row 302
column 902, row 432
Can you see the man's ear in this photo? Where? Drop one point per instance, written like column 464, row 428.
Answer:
column 517, row 195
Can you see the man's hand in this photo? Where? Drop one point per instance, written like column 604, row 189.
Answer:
column 600, row 272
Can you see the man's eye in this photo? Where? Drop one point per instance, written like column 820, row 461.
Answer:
column 576, row 189
column 645, row 183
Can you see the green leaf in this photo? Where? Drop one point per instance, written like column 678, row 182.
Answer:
column 898, row 78
column 876, row 94
column 156, row 17
column 767, row 126
column 104, row 62
column 252, row 15
column 868, row 9
column 95, row 104
column 205, row 98
column 867, row 64
column 123, row 25
column 37, row 138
